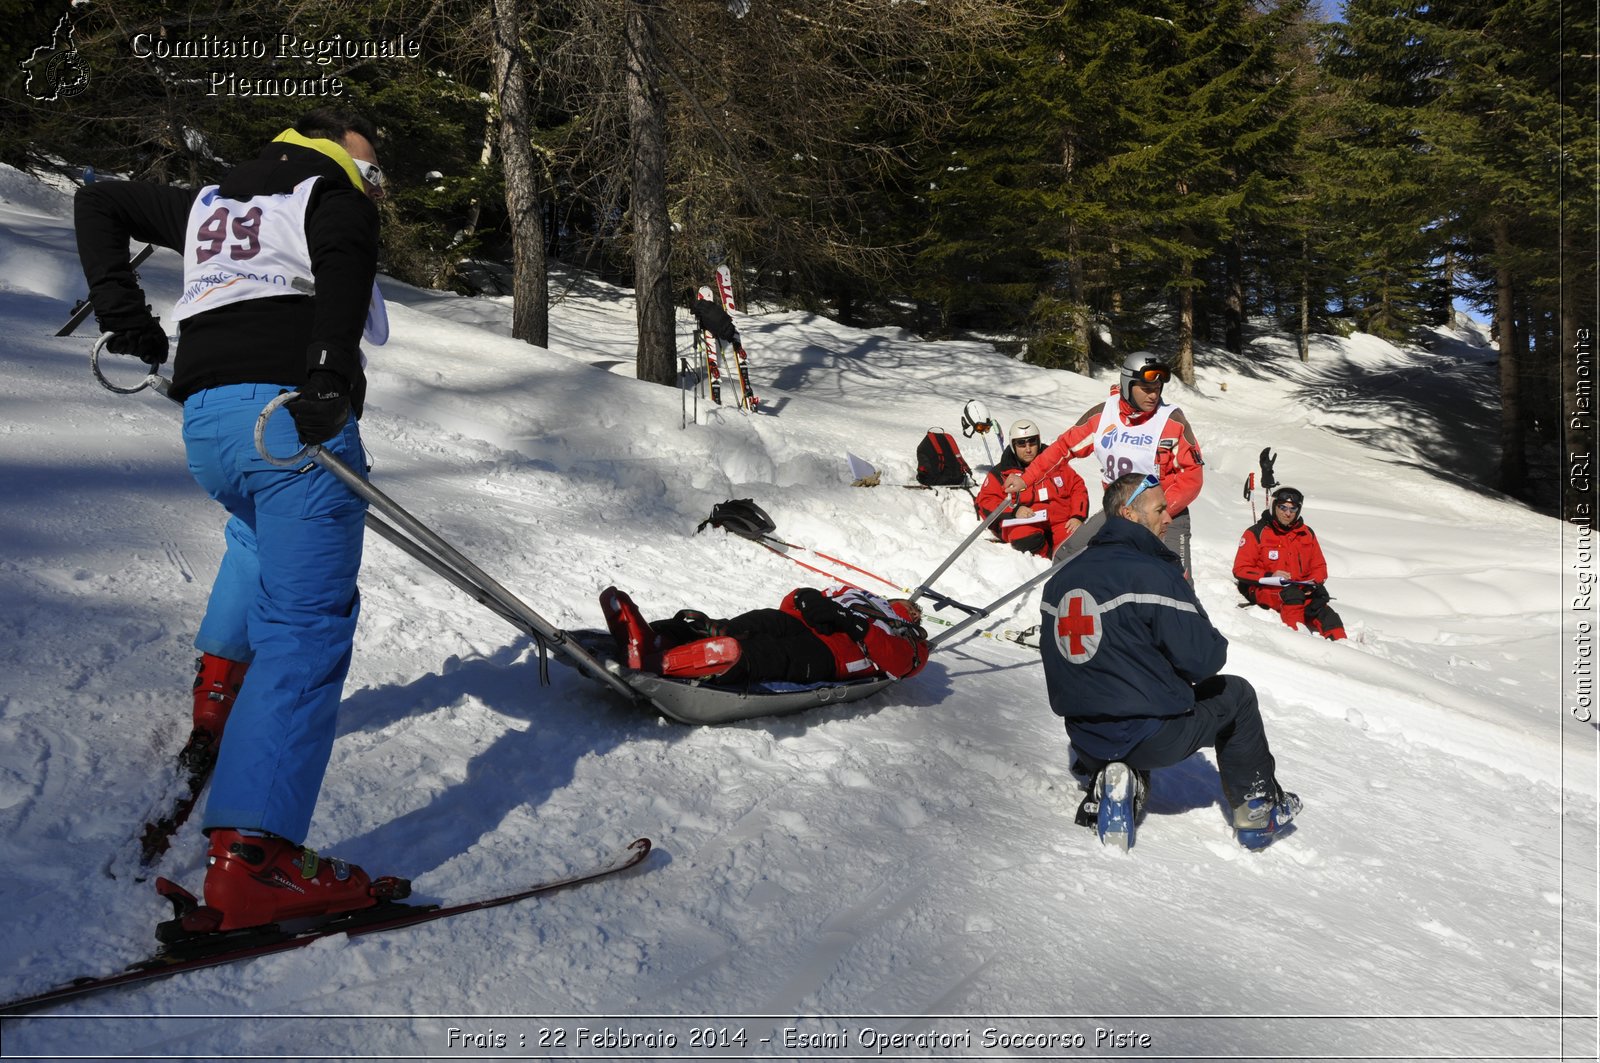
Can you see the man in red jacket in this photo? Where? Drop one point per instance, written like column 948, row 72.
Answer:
column 1132, row 431
column 812, row 637
column 1280, row 566
column 1047, row 514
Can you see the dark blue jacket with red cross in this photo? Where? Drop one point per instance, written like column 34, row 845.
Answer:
column 1124, row 640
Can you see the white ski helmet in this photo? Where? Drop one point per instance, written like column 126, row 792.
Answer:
column 975, row 418
column 1024, row 429
column 1136, row 365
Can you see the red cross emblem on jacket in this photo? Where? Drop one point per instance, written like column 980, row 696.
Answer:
column 1078, row 626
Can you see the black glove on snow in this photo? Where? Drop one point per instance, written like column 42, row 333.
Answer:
column 321, row 408
column 146, row 342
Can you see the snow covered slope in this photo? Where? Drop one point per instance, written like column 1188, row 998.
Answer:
column 904, row 865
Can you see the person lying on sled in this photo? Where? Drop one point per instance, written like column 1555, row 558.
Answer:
column 812, row 637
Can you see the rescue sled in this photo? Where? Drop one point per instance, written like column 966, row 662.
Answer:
column 703, row 701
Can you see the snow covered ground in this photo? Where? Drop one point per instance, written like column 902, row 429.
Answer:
column 898, row 877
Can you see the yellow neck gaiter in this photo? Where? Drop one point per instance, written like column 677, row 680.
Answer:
column 329, row 148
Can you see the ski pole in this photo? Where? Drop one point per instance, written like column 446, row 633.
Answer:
column 1250, row 494
column 998, row 602
column 837, row 561
column 922, row 588
column 505, row 604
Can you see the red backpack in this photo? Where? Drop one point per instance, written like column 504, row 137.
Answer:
column 939, row 461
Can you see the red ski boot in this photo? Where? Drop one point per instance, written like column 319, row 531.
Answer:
column 216, row 684
column 252, row 880
column 697, row 660
column 638, row 645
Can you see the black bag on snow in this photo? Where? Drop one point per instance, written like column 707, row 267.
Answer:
column 741, row 516
column 939, row 461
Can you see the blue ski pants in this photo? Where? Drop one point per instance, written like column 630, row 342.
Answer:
column 284, row 599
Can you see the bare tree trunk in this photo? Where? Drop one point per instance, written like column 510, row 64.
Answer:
column 652, row 249
column 1512, row 458
column 530, row 311
column 1233, row 314
column 1184, row 361
column 490, row 125
column 1305, row 299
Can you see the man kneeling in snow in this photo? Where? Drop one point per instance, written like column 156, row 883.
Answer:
column 812, row 637
column 1280, row 566
column 1131, row 663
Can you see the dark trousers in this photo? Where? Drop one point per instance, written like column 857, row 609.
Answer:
column 773, row 645
column 1226, row 716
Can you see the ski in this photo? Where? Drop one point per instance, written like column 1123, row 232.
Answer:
column 83, row 308
column 136, row 857
column 747, row 397
column 214, row 950
column 708, row 343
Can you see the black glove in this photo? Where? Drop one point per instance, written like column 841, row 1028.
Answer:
column 321, row 408
column 821, row 613
column 1318, row 593
column 1293, row 594
column 1268, row 480
column 146, row 342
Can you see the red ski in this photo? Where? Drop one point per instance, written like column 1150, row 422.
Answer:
column 747, row 397
column 213, row 950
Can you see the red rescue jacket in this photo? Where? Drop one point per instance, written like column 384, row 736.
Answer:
column 1178, row 460
column 889, row 650
column 1267, row 546
column 1060, row 495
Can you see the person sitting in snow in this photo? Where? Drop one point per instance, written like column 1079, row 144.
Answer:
column 1047, row 514
column 812, row 637
column 1280, row 566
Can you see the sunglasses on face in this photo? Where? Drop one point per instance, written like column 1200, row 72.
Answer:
column 370, row 172
column 1031, row 441
column 1153, row 375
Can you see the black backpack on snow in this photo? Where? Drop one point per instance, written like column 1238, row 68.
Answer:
column 741, row 516
column 939, row 461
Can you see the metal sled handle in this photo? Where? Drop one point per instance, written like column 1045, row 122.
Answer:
column 428, row 547
column 299, row 456
column 155, row 379
column 999, row 511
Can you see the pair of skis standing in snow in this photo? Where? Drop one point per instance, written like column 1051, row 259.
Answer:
column 719, row 337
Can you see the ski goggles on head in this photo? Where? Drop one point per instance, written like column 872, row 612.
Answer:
column 370, row 172
column 1153, row 374
column 1144, row 485
column 1026, row 441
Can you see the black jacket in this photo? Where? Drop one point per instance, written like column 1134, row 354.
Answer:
column 714, row 319
column 258, row 341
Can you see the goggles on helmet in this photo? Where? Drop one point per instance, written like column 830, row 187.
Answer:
column 1153, row 374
